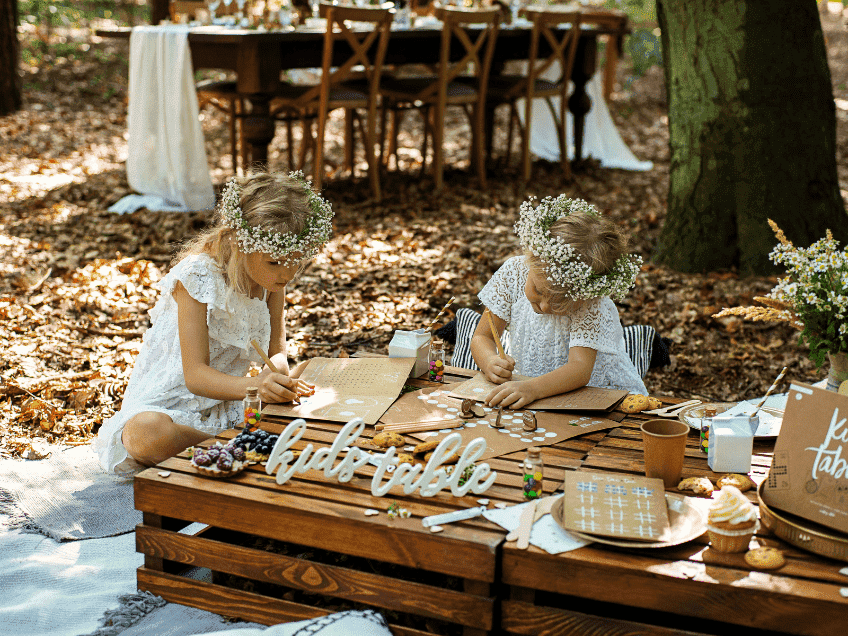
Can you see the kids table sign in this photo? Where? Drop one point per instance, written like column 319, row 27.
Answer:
column 809, row 471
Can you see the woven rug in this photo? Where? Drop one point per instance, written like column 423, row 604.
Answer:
column 66, row 496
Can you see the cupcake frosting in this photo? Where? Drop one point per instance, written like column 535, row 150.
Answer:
column 731, row 506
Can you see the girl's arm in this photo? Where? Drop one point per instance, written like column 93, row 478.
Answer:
column 485, row 351
column 202, row 379
column 277, row 347
column 572, row 375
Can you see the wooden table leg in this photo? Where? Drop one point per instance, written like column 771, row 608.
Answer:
column 258, row 127
column 579, row 103
column 166, row 523
column 480, row 588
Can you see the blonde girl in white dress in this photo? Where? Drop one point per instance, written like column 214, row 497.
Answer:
column 227, row 289
column 555, row 299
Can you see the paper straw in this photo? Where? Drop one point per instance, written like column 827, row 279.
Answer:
column 444, row 309
column 264, row 357
column 770, row 391
column 422, row 428
column 501, row 351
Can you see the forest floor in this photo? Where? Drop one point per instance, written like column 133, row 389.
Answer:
column 76, row 282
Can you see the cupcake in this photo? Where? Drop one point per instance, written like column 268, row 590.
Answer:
column 732, row 521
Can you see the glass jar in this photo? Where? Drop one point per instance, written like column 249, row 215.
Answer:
column 533, row 473
column 706, row 423
column 252, row 409
column 436, row 362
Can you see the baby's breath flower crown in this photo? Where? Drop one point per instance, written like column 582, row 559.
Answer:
column 564, row 266
column 280, row 245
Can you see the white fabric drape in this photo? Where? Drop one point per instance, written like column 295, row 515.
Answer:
column 601, row 139
column 167, row 157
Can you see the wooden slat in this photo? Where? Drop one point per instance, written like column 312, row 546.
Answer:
column 229, row 602
column 326, row 525
column 754, row 599
column 338, row 582
column 525, row 618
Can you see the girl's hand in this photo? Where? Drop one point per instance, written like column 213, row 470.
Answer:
column 276, row 387
column 497, row 369
column 514, row 394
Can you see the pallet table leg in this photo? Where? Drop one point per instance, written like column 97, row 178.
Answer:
column 479, row 588
column 166, row 523
column 523, row 594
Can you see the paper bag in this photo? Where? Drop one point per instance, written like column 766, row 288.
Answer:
column 809, row 471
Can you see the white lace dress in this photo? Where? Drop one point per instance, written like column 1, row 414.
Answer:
column 157, row 382
column 540, row 342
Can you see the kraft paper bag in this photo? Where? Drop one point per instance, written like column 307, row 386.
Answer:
column 809, row 471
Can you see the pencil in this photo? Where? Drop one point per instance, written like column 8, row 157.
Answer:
column 495, row 335
column 270, row 364
column 422, row 427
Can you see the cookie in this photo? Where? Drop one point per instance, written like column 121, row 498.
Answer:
column 634, row 403
column 698, row 485
column 449, row 460
column 405, row 458
column 425, row 447
column 384, row 440
column 742, row 482
column 654, row 403
column 765, row 558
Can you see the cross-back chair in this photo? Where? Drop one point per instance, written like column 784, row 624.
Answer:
column 351, row 83
column 432, row 94
column 550, row 44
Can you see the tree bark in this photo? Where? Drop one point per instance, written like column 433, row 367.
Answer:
column 10, row 79
column 752, row 128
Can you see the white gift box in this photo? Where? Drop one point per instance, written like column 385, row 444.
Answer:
column 731, row 444
column 412, row 344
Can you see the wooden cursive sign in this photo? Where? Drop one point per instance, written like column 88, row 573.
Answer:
column 428, row 480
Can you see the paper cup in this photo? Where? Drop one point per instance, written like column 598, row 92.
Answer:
column 665, row 446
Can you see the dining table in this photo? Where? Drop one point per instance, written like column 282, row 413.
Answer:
column 277, row 552
column 260, row 57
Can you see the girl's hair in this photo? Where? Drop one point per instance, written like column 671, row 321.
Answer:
column 274, row 202
column 598, row 243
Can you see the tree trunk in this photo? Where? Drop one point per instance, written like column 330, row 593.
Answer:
column 10, row 79
column 752, row 128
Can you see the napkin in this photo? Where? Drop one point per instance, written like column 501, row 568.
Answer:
column 547, row 534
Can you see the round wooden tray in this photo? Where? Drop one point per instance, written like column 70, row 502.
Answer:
column 802, row 533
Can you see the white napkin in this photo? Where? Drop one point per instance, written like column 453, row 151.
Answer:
column 167, row 156
column 547, row 534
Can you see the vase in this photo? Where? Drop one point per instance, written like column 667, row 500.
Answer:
column 838, row 370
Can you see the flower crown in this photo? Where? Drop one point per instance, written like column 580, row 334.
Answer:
column 280, row 245
column 564, row 267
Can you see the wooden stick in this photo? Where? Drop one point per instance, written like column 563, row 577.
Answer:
column 444, row 309
column 501, row 351
column 380, row 427
column 770, row 390
column 264, row 356
column 421, row 428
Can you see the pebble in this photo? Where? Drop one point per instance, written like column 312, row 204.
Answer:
column 440, row 528
column 844, row 571
column 501, row 505
column 370, row 512
column 842, row 590
column 164, row 473
column 483, row 502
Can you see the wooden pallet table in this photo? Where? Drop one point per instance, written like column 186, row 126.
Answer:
column 689, row 588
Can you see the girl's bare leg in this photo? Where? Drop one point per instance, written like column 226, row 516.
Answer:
column 152, row 437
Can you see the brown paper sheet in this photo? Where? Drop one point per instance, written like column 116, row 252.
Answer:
column 587, row 398
column 612, row 505
column 348, row 387
column 428, row 405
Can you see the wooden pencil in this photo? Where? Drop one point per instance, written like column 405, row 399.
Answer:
column 264, row 356
column 422, row 427
column 501, row 351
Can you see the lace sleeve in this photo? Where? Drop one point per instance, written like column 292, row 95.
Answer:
column 505, row 287
column 596, row 325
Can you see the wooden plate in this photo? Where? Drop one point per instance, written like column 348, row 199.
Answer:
column 686, row 522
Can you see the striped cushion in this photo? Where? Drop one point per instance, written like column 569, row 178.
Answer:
column 639, row 342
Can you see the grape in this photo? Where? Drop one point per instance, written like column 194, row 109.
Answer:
column 202, row 459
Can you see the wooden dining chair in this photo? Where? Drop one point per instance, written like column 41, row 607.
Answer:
column 432, row 94
column 351, row 82
column 549, row 35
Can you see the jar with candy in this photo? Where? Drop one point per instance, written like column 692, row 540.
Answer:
column 252, row 408
column 532, row 468
column 706, row 423
column 436, row 366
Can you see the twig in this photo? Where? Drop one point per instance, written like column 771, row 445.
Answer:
column 40, row 281
column 124, row 333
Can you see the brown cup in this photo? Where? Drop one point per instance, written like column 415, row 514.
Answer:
column 665, row 446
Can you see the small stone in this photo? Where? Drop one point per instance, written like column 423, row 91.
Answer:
column 844, row 571
column 844, row 591
column 370, row 512
column 164, row 473
column 435, row 529
column 501, row 505
column 483, row 502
